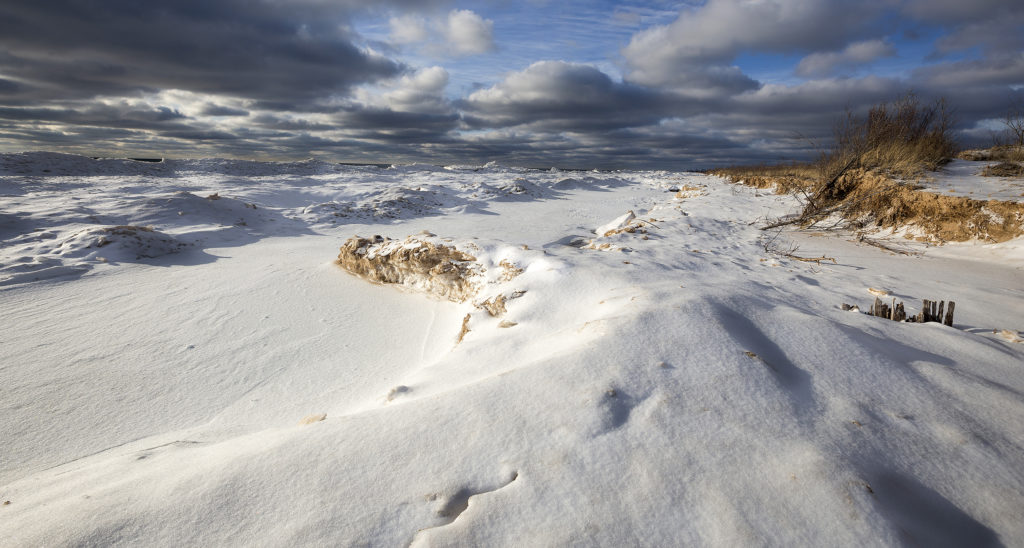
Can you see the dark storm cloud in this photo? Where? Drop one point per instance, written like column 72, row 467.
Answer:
column 554, row 95
column 1001, row 70
column 366, row 118
column 270, row 121
column 8, row 87
column 220, row 110
column 194, row 135
column 263, row 49
column 124, row 116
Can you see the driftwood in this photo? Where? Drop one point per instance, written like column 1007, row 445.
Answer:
column 810, row 259
column 931, row 311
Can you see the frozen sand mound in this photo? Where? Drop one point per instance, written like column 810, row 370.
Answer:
column 185, row 209
column 78, row 253
column 423, row 263
column 433, row 265
column 55, row 241
column 389, row 204
column 119, row 243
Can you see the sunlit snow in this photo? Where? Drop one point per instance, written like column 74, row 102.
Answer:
column 183, row 363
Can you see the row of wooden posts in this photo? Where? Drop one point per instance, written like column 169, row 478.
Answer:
column 931, row 311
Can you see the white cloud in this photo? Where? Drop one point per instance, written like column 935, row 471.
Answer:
column 421, row 91
column 856, row 54
column 702, row 42
column 459, row 33
column 408, row 29
column 468, row 34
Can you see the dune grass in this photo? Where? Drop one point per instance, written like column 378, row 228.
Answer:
column 867, row 177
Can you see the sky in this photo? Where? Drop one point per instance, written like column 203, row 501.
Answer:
column 646, row 84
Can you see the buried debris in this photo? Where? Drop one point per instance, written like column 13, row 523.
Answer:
column 931, row 311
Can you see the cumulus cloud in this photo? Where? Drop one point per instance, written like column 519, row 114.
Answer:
column 1007, row 70
column 560, row 95
column 408, row 29
column 419, row 91
column 468, row 33
column 697, row 49
column 459, row 33
column 853, row 55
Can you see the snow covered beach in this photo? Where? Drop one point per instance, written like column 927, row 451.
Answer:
column 183, row 362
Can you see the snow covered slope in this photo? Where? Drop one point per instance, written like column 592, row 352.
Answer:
column 667, row 381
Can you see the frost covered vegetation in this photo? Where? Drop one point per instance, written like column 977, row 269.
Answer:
column 544, row 358
column 870, row 177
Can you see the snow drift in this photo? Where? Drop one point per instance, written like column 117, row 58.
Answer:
column 693, row 388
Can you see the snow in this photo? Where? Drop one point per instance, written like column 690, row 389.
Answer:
column 963, row 178
column 210, row 376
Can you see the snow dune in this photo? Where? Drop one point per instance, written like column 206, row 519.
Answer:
column 680, row 385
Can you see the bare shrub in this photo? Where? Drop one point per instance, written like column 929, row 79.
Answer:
column 1014, row 122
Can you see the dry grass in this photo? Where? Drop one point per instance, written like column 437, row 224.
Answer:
column 495, row 306
column 1003, row 169
column 783, row 179
column 859, row 177
column 875, row 200
column 508, row 270
column 465, row 329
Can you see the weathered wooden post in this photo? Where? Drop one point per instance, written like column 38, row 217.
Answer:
column 899, row 313
column 931, row 311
